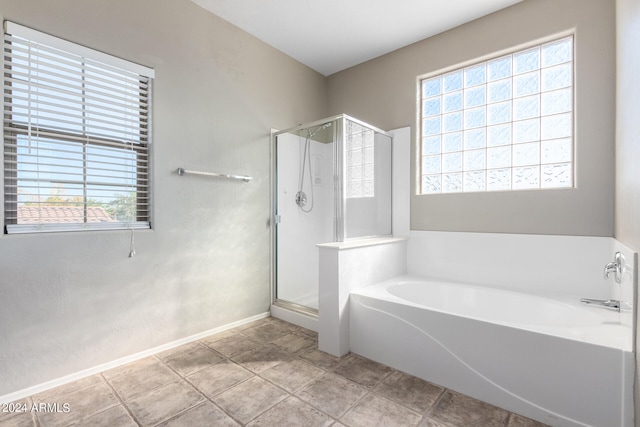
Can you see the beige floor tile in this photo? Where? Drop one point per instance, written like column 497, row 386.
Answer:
column 268, row 332
column 164, row 402
column 321, row 359
column 409, row 391
column 57, row 393
column 76, row 405
column 205, row 414
column 217, row 337
column 363, row 371
column 112, row 417
column 376, row 411
column 249, row 399
column 140, row 377
column 292, row 412
column 292, row 375
column 332, row 394
column 18, row 415
column 171, row 353
column 294, row 343
column 219, row 377
column 193, row 360
column 262, row 358
column 233, row 345
column 516, row 420
column 455, row 409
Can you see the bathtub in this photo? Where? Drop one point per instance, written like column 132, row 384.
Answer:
column 546, row 357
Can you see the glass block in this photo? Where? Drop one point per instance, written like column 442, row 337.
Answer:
column 453, row 81
column 557, row 52
column 557, row 77
column 452, row 183
column 368, row 189
column 431, row 107
column 556, row 151
column 452, row 142
column 354, row 157
column 526, row 154
column 499, row 90
column 499, row 157
column 354, row 189
column 354, row 173
column 475, row 96
column 498, row 135
column 558, row 101
column 499, row 68
column 452, row 122
column 526, row 108
column 526, row 131
column 431, row 87
column 474, row 160
column 368, row 155
column 368, row 172
column 526, row 177
column 452, row 102
column 431, row 126
column 499, row 179
column 431, row 165
column 475, row 117
column 431, row 145
column 474, row 181
column 526, row 84
column 557, row 176
column 431, row 184
column 369, row 138
column 452, row 162
column 475, row 138
column 499, row 113
column 528, row 60
column 557, row 126
column 475, row 75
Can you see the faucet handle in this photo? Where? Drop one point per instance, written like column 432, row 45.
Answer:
column 617, row 267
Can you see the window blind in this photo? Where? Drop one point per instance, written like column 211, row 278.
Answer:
column 77, row 128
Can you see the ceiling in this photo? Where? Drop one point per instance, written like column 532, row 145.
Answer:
column 332, row 35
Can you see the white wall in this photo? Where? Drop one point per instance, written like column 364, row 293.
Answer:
column 72, row 301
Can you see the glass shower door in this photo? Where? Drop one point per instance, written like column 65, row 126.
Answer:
column 304, row 211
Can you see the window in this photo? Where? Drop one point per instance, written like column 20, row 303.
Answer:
column 360, row 161
column 502, row 124
column 76, row 136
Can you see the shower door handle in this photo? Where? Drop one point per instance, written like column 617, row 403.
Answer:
column 277, row 219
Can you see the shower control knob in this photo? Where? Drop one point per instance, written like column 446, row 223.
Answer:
column 301, row 199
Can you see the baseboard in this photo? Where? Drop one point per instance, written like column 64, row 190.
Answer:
column 21, row 394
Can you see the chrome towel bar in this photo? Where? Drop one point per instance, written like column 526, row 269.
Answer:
column 244, row 178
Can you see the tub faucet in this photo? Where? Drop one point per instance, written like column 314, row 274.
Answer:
column 611, row 304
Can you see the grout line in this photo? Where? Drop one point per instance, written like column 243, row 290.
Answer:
column 122, row 403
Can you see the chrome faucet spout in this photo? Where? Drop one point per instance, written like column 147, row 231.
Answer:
column 611, row 304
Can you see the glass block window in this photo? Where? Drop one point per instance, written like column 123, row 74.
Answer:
column 360, row 161
column 502, row 124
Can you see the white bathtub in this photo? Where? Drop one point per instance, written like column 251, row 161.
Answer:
column 547, row 358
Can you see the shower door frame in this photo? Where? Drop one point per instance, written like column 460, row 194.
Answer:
column 340, row 206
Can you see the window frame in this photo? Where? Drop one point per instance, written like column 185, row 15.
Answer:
column 85, row 139
column 484, row 60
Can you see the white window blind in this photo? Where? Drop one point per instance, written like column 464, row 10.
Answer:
column 76, row 136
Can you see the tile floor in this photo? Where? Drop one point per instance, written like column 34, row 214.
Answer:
column 266, row 373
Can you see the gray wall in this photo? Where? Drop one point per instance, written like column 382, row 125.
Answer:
column 383, row 92
column 71, row 301
column 627, row 207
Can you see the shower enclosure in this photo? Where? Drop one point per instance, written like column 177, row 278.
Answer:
column 331, row 183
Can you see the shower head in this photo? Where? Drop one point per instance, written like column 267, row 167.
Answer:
column 323, row 127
